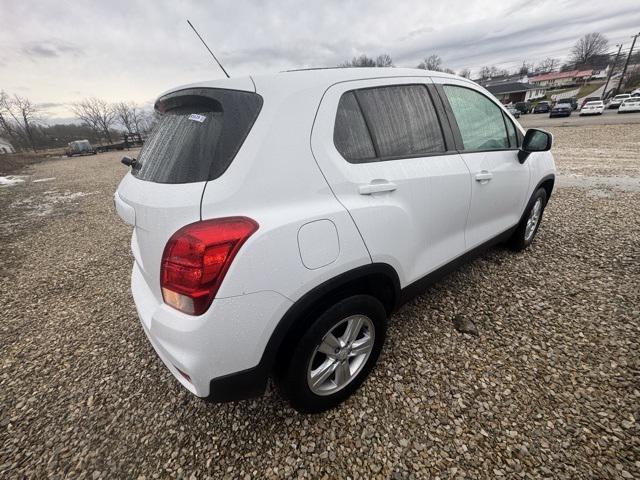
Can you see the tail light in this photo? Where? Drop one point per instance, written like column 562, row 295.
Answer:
column 196, row 259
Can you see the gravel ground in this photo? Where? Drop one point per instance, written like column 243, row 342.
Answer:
column 549, row 389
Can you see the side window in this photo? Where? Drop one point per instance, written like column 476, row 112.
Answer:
column 402, row 120
column 350, row 134
column 480, row 120
column 511, row 131
column 374, row 124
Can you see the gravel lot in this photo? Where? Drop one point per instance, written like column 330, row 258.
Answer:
column 550, row 388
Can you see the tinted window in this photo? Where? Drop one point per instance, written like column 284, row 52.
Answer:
column 511, row 132
column 350, row 133
column 197, row 135
column 402, row 120
column 479, row 119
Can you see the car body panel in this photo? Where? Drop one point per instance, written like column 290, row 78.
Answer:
column 420, row 232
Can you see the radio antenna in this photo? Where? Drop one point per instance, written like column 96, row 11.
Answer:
column 207, row 47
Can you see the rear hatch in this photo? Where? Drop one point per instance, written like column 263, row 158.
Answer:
column 197, row 135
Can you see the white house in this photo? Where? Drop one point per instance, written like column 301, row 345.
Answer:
column 6, row 147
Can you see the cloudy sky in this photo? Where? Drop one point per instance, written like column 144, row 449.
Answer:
column 57, row 52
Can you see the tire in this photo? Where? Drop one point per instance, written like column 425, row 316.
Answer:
column 525, row 232
column 296, row 378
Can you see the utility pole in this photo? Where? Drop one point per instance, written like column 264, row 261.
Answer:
column 624, row 70
column 613, row 67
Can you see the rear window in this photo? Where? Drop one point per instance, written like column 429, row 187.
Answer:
column 197, row 135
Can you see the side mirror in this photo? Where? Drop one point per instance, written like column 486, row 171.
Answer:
column 534, row 141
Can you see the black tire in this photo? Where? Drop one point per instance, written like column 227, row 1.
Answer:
column 519, row 240
column 292, row 378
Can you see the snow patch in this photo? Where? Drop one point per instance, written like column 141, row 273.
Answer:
column 11, row 180
column 42, row 206
column 43, row 179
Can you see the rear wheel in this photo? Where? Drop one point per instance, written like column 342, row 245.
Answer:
column 530, row 222
column 335, row 355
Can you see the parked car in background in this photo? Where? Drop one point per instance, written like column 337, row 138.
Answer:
column 616, row 101
column 79, row 147
column 524, row 107
column 636, row 93
column 589, row 99
column 253, row 261
column 561, row 110
column 542, row 107
column 631, row 104
column 573, row 101
column 513, row 111
column 592, row 108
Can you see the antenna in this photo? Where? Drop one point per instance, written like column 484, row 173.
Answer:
column 207, row 47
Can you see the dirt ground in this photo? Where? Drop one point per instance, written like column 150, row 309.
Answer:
column 549, row 389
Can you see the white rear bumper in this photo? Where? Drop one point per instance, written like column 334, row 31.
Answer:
column 230, row 337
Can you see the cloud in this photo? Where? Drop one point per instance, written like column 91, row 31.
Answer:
column 50, row 49
column 132, row 50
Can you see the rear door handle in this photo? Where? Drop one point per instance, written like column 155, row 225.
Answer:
column 484, row 176
column 373, row 187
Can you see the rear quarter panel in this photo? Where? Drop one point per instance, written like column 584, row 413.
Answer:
column 275, row 180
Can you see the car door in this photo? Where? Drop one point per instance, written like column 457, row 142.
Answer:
column 383, row 150
column 488, row 141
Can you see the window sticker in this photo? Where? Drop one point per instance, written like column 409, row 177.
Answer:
column 197, row 118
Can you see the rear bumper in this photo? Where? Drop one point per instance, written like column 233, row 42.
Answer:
column 216, row 355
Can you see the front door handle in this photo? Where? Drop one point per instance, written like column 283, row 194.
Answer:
column 484, row 176
column 375, row 187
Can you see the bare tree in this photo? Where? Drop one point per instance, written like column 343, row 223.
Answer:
column 492, row 71
column 465, row 72
column 6, row 126
column 19, row 118
column 526, row 68
column 96, row 114
column 383, row 60
column 589, row 46
column 361, row 61
column 128, row 115
column 432, row 62
column 124, row 115
column 547, row 65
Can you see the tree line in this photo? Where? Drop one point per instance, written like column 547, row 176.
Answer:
column 23, row 123
column 589, row 52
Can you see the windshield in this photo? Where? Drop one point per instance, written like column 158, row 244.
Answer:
column 593, row 104
column 199, row 132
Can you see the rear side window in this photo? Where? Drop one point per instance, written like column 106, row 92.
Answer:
column 350, row 133
column 396, row 121
column 197, row 135
column 479, row 120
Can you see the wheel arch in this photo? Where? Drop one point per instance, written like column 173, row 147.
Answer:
column 378, row 280
column 547, row 183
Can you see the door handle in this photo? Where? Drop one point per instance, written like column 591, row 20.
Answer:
column 373, row 187
column 484, row 176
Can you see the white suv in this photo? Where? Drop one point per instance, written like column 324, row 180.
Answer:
column 279, row 220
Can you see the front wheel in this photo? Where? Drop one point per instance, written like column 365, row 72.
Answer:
column 335, row 355
column 530, row 222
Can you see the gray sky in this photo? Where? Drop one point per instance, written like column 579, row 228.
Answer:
column 58, row 52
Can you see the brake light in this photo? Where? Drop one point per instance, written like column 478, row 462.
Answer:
column 196, row 259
